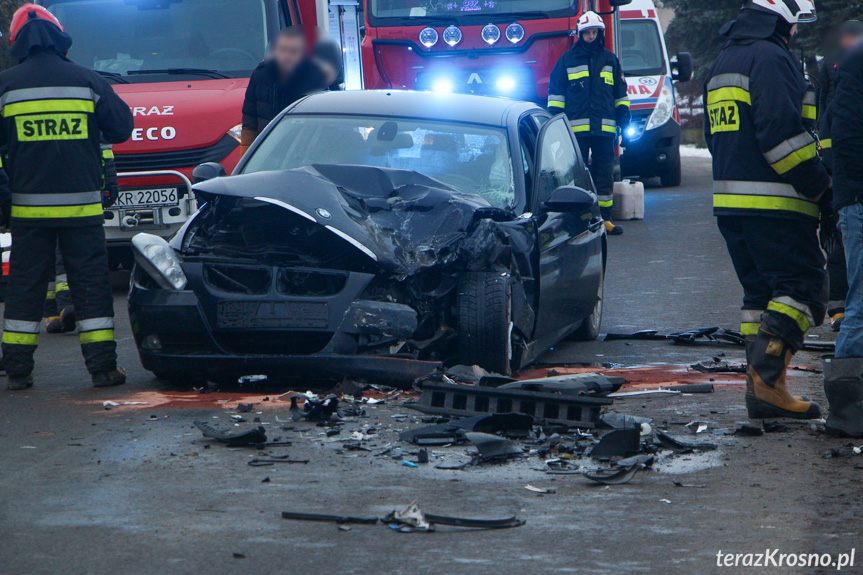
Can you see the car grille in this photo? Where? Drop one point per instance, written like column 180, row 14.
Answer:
column 311, row 283
column 177, row 159
column 238, row 279
column 274, row 343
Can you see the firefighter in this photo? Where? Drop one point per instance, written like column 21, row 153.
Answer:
column 53, row 113
column 587, row 83
column 768, row 178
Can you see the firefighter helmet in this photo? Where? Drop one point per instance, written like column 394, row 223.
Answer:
column 793, row 11
column 589, row 21
column 27, row 13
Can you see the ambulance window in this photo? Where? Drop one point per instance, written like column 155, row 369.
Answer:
column 641, row 52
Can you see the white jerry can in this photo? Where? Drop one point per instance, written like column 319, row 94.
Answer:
column 628, row 201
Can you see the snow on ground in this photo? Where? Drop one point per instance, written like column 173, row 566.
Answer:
column 693, row 152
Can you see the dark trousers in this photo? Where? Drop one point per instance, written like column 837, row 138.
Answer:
column 599, row 152
column 31, row 268
column 780, row 265
column 838, row 272
column 58, row 297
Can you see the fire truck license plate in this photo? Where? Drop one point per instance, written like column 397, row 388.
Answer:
column 147, row 198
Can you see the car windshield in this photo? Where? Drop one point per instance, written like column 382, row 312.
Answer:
column 523, row 9
column 468, row 157
column 134, row 36
column 641, row 52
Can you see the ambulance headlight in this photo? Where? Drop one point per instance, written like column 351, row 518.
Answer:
column 506, row 84
column 663, row 110
column 159, row 260
column 444, row 85
column 428, row 37
column 490, row 34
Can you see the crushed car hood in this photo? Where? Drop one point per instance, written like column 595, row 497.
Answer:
column 402, row 219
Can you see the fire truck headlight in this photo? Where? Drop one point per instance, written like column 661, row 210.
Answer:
column 490, row 34
column 443, row 85
column 452, row 35
column 515, row 32
column 428, row 37
column 506, row 84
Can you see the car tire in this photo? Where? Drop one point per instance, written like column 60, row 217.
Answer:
column 484, row 321
column 673, row 176
column 589, row 328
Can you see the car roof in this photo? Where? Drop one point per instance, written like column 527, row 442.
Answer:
column 406, row 104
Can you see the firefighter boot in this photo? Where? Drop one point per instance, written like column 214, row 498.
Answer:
column 843, row 384
column 765, row 377
column 53, row 324
column 116, row 376
column 611, row 229
column 750, row 390
column 67, row 319
column 20, row 382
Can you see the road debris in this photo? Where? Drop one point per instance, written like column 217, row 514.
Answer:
column 679, row 446
column 618, row 443
column 539, row 490
column 244, row 436
column 492, row 447
column 615, row 476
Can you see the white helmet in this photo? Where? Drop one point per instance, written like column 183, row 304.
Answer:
column 793, row 11
column 589, row 21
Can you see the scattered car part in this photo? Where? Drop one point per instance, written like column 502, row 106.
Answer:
column 679, row 484
column 465, row 401
column 775, row 427
column 341, row 519
column 615, row 476
column 491, row 447
column 644, row 392
column 711, row 334
column 692, row 388
column 749, row 430
column 574, row 384
column 262, row 462
column 409, row 519
column 235, row 438
column 696, row 427
column 504, row 523
column 618, row 443
column 678, row 446
column 440, row 434
column 539, row 490
column 718, row 366
column 623, row 421
column 512, row 424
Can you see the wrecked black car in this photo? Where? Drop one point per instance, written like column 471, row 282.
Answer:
column 378, row 235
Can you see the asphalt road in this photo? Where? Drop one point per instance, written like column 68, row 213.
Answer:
column 136, row 490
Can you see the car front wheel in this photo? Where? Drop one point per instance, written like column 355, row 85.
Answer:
column 485, row 321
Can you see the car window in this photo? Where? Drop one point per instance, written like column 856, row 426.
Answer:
column 468, row 157
column 558, row 159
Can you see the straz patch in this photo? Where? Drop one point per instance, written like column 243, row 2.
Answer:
column 724, row 117
column 41, row 127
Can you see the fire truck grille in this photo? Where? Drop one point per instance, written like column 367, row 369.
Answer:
column 178, row 159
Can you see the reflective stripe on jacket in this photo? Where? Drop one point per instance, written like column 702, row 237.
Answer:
column 765, row 161
column 53, row 116
column 590, row 88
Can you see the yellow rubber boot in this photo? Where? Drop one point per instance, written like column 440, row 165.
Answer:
column 767, row 393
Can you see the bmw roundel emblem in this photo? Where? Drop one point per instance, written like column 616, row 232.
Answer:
column 324, row 213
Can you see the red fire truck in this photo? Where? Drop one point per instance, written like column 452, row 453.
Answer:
column 490, row 47
column 183, row 67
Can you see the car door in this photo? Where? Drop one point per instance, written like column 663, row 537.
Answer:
column 570, row 247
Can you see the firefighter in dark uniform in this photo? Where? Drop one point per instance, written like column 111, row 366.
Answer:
column 52, row 114
column 587, row 83
column 768, row 179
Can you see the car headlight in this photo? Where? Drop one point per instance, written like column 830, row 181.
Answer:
column 236, row 132
column 663, row 110
column 490, row 34
column 159, row 260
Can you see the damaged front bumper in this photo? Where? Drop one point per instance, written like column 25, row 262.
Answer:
column 216, row 329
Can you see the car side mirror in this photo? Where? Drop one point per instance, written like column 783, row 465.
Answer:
column 208, row 171
column 570, row 200
column 681, row 71
column 616, row 3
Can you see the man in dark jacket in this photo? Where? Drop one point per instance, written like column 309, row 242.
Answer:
column 843, row 374
column 55, row 115
column 848, row 35
column 285, row 76
column 587, row 83
column 768, row 178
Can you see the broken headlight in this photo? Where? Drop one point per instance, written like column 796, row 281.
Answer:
column 159, row 260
